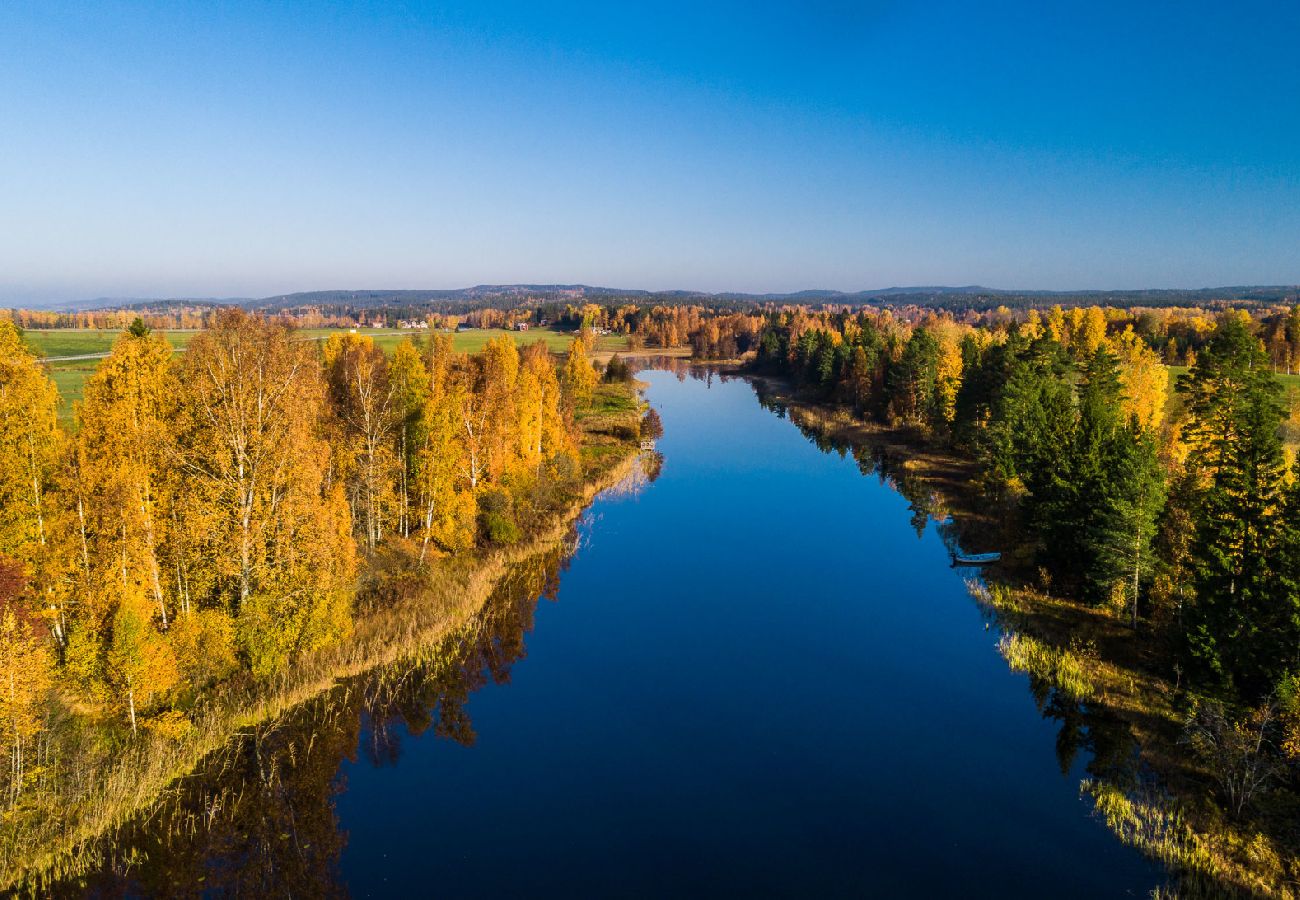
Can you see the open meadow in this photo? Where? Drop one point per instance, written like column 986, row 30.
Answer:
column 70, row 374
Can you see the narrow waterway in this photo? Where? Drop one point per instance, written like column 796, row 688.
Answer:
column 757, row 675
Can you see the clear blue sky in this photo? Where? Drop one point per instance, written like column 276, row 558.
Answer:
column 246, row 149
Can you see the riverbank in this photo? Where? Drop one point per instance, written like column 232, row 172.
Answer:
column 59, row 836
column 1085, row 664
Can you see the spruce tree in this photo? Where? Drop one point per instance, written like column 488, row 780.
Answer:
column 1236, row 452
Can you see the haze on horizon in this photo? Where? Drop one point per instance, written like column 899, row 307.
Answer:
column 180, row 149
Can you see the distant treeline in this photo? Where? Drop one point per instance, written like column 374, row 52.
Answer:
column 544, row 302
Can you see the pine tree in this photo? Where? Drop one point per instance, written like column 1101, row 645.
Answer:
column 1235, row 451
column 1134, row 499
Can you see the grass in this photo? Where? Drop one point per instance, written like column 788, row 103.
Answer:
column 1064, row 670
column 77, row 341
column 70, row 375
column 474, row 339
column 65, row 829
column 1287, row 381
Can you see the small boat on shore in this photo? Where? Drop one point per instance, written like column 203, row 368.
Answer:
column 975, row 559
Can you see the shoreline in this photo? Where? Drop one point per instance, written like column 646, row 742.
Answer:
column 453, row 590
column 1167, row 817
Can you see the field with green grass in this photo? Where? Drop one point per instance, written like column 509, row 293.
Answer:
column 1287, row 381
column 80, row 341
column 70, row 375
column 472, row 340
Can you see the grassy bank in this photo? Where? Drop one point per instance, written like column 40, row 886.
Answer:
column 1167, row 811
column 52, row 836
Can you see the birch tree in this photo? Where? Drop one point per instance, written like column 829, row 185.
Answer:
column 29, row 446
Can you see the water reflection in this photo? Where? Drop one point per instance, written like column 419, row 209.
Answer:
column 258, row 818
column 895, row 467
column 826, row 719
column 1105, row 741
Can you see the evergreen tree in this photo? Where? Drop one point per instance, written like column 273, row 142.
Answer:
column 1133, row 501
column 1236, row 453
column 911, row 382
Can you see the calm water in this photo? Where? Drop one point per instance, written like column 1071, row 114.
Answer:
column 754, row 677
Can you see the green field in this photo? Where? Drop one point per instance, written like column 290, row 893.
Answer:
column 472, row 340
column 70, row 375
column 1287, row 381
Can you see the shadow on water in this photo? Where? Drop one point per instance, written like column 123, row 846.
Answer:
column 259, row 817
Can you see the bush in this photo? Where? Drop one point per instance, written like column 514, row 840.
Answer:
column 617, row 370
column 652, row 427
column 497, row 518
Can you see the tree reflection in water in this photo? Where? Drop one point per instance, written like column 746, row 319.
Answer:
column 1113, row 751
column 258, row 817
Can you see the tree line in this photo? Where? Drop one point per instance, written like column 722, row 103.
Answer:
column 1182, row 513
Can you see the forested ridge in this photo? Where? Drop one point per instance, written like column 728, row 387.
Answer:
column 1167, row 505
column 219, row 517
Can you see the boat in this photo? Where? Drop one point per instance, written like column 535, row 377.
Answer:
column 975, row 559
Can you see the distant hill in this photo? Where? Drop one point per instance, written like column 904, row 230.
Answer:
column 969, row 296
column 958, row 298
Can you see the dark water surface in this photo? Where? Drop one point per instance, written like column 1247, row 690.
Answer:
column 754, row 678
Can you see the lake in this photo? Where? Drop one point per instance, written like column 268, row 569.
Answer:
column 755, row 675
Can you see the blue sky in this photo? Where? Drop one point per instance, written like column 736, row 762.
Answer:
column 247, row 149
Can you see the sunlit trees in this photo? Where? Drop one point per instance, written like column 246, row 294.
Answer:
column 1144, row 379
column 29, row 446
column 251, row 443
column 362, row 396
column 411, row 385
column 123, row 456
column 26, row 666
column 442, row 471
column 912, row 381
column 543, row 432
column 1236, row 455
column 139, row 664
column 497, row 381
column 579, row 378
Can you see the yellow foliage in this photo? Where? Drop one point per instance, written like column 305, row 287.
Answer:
column 26, row 668
column 1087, row 331
column 29, row 445
column 579, row 374
column 140, row 664
column 204, row 645
column 1033, row 327
column 1144, row 378
column 1057, row 329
